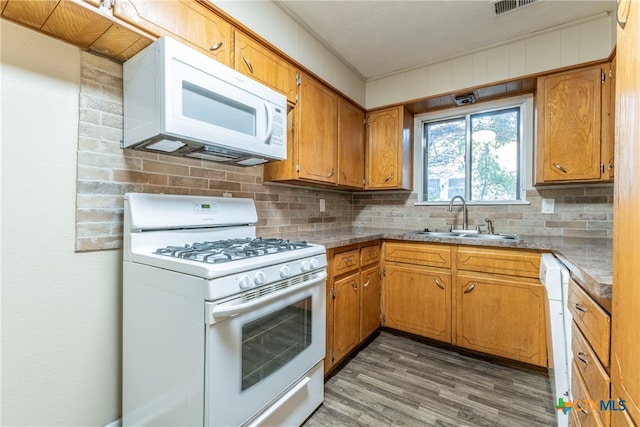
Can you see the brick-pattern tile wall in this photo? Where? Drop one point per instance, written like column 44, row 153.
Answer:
column 579, row 212
column 105, row 172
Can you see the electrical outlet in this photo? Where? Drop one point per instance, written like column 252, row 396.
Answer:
column 227, row 194
column 322, row 206
column 548, row 206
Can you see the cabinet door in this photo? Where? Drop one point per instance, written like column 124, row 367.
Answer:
column 625, row 333
column 369, row 301
column 418, row 300
column 318, row 131
column 350, row 145
column 569, row 122
column 258, row 62
column 607, row 152
column 502, row 316
column 188, row 20
column 346, row 316
column 389, row 149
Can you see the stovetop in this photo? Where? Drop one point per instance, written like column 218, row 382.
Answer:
column 221, row 251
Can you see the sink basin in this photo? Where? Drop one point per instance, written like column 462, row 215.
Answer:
column 491, row 236
column 436, row 233
column 466, row 235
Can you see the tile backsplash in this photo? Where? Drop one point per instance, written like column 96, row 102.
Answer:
column 579, row 212
column 105, row 172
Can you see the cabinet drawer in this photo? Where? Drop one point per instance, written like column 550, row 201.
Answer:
column 592, row 320
column 586, row 410
column 346, row 261
column 499, row 261
column 419, row 254
column 596, row 379
column 369, row 255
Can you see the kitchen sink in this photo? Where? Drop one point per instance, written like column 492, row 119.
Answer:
column 463, row 235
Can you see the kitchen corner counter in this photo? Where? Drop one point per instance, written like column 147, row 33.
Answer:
column 588, row 259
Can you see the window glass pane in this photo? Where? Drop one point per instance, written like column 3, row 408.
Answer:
column 444, row 159
column 495, row 156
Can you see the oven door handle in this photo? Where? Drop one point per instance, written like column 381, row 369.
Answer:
column 221, row 311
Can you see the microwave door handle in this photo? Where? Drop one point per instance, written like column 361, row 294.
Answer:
column 269, row 109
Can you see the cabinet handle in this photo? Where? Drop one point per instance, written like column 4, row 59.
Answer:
column 355, row 286
column 560, row 168
column 584, row 411
column 366, row 284
column 470, row 288
column 582, row 358
column 579, row 308
column 344, row 175
column 437, row 282
column 216, row 46
column 387, row 179
column 331, row 173
column 249, row 66
column 610, row 165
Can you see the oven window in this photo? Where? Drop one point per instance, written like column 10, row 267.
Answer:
column 272, row 341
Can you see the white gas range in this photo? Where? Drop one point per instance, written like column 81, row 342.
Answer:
column 220, row 328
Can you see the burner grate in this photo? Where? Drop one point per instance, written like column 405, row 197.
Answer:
column 220, row 251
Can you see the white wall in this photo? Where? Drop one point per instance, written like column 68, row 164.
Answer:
column 270, row 22
column 583, row 41
column 60, row 310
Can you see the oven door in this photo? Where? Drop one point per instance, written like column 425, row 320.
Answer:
column 259, row 345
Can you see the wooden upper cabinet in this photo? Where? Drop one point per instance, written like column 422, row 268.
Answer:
column 389, row 160
column 186, row 20
column 317, row 131
column 569, row 128
column 254, row 60
column 80, row 23
column 350, row 145
column 608, row 121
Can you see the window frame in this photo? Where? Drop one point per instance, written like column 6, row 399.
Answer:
column 524, row 102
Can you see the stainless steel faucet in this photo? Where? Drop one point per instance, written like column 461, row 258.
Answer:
column 489, row 225
column 464, row 210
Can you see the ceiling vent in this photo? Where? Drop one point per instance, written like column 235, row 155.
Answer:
column 466, row 99
column 500, row 7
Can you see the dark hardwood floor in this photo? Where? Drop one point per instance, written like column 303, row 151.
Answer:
column 397, row 381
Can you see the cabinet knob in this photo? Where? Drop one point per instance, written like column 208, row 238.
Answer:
column 366, row 284
column 216, row 46
column 582, row 358
column 331, row 173
column 437, row 282
column 470, row 288
column 387, row 179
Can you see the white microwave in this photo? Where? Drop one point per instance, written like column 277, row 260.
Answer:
column 181, row 102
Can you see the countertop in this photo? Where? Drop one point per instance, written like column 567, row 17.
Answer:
column 588, row 259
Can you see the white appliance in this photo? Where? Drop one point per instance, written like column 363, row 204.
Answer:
column 555, row 278
column 182, row 102
column 220, row 328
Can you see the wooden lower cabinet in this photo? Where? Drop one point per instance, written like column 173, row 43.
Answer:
column 502, row 316
column 369, row 301
column 353, row 299
column 346, row 332
column 418, row 300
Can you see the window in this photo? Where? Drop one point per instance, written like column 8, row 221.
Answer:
column 477, row 152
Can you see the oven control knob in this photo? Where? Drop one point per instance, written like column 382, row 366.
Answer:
column 285, row 271
column 314, row 263
column 245, row 282
column 259, row 278
column 305, row 266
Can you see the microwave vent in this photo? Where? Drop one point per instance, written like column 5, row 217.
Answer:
column 500, row 7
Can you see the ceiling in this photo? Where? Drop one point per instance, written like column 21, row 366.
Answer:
column 378, row 38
